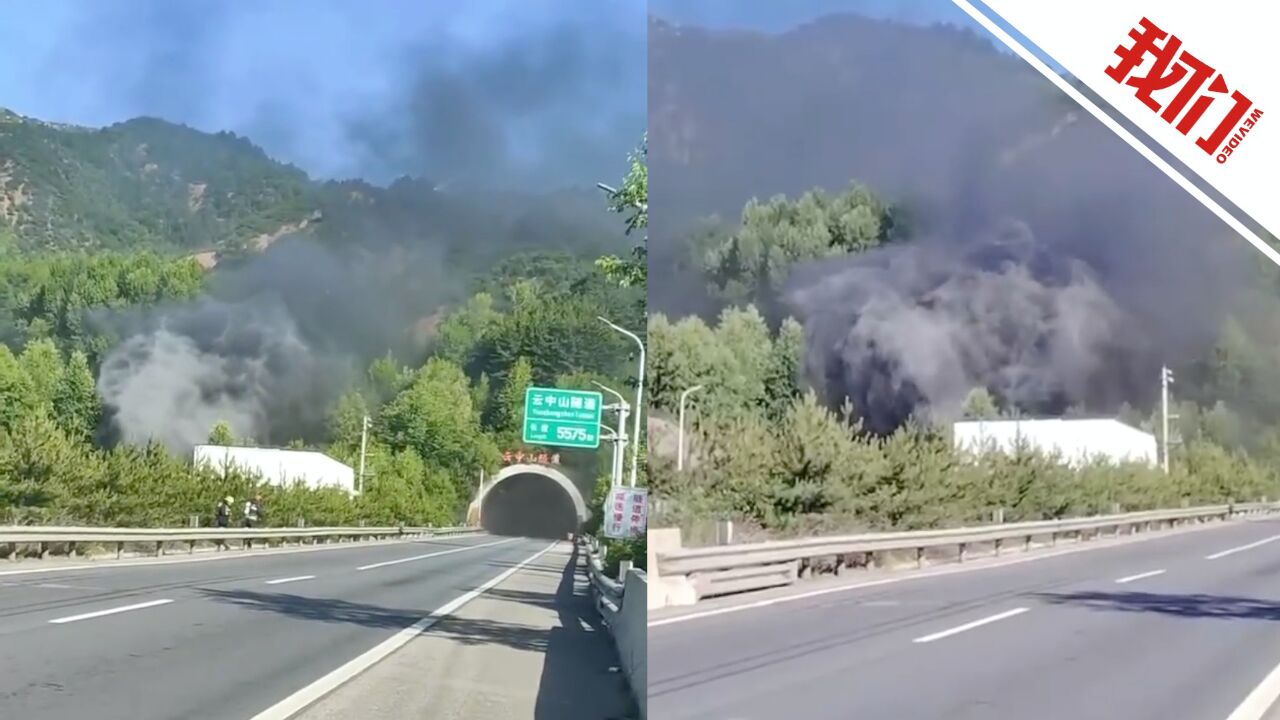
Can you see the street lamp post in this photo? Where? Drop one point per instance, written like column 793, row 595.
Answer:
column 1166, row 379
column 620, row 435
column 618, row 441
column 364, row 440
column 635, row 434
column 613, row 191
column 680, row 434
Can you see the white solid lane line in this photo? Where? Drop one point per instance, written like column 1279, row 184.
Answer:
column 235, row 555
column 1242, row 548
column 1259, row 702
column 295, row 703
column 111, row 611
column 435, row 554
column 971, row 625
column 940, row 571
column 291, row 579
column 1139, row 576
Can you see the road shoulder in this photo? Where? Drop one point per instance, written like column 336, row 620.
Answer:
column 531, row 647
column 860, row 579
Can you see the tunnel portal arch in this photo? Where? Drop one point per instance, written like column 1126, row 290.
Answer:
column 575, row 495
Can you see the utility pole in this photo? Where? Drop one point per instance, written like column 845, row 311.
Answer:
column 680, row 433
column 1166, row 379
column 621, row 443
column 364, row 441
column 620, row 435
column 635, row 435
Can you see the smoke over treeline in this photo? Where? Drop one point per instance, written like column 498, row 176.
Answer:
column 273, row 343
column 182, row 371
column 1043, row 259
column 277, row 337
column 456, row 120
column 911, row 330
column 503, row 93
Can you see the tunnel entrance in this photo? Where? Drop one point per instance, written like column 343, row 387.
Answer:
column 532, row 501
column 529, row 506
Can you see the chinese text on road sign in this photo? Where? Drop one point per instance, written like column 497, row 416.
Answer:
column 512, row 457
column 568, row 418
column 626, row 513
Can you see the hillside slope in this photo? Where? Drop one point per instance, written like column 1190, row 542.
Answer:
column 144, row 182
column 151, row 184
column 935, row 119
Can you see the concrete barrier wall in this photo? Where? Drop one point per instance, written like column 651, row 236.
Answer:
column 662, row 591
column 630, row 632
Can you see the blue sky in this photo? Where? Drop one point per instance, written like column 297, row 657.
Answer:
column 778, row 15
column 499, row 91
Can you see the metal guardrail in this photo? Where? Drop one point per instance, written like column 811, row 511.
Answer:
column 606, row 591
column 736, row 568
column 625, row 621
column 19, row 535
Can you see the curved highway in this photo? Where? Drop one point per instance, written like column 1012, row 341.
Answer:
column 1178, row 626
column 232, row 637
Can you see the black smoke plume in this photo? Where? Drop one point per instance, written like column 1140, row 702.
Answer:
column 1054, row 274
column 270, row 347
column 908, row 331
column 506, row 93
column 547, row 107
column 1045, row 260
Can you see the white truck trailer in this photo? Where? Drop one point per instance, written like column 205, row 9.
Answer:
column 280, row 467
column 1076, row 440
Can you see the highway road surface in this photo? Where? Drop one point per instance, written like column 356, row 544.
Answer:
column 225, row 638
column 532, row 648
column 1178, row 626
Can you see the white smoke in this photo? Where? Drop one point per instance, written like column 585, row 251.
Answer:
column 206, row 363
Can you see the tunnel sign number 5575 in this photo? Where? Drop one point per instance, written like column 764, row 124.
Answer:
column 567, row 418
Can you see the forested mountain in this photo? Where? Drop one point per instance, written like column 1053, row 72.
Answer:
column 161, row 285
column 140, row 183
column 935, row 120
column 951, row 236
column 974, row 169
column 151, row 184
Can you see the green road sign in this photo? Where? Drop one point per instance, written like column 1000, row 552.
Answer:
column 567, row 418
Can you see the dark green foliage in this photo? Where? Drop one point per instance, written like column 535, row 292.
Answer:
column 812, row 470
column 509, row 405
column 750, row 264
column 550, row 322
column 98, row 211
column 75, row 399
column 141, row 183
column 49, row 296
column 434, row 418
column 763, row 453
column 632, row 201
column 346, row 420
column 767, row 453
column 221, row 434
column 736, row 362
column 43, row 383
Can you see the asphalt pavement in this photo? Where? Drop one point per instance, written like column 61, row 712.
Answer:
column 226, row 638
column 1183, row 626
column 531, row 648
